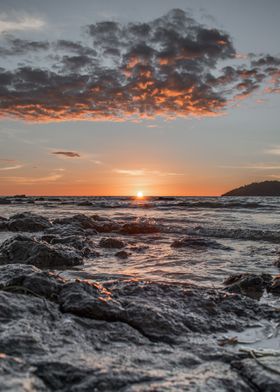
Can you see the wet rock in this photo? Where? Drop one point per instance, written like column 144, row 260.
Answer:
column 78, row 336
column 83, row 221
column 26, row 250
column 28, row 222
column 22, row 278
column 69, row 230
column 274, row 287
column 198, row 243
column 5, row 201
column 89, row 300
column 134, row 228
column 86, row 222
column 85, row 204
column 251, row 285
column 84, row 245
column 122, row 254
column 3, row 224
column 263, row 374
column 111, row 243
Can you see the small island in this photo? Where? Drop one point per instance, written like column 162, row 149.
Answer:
column 265, row 188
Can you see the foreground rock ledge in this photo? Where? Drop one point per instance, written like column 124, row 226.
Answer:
column 57, row 335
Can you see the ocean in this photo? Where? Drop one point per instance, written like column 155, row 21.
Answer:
column 246, row 231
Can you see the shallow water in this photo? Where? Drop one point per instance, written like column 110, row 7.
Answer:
column 247, row 228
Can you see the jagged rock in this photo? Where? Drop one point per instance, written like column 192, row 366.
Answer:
column 274, row 287
column 5, row 201
column 84, row 245
column 111, row 243
column 3, row 223
column 251, row 285
column 77, row 336
column 22, row 278
column 122, row 254
column 83, row 221
column 139, row 228
column 26, row 250
column 197, row 242
column 262, row 374
column 27, row 221
column 86, row 222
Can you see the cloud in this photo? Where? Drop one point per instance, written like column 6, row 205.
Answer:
column 20, row 22
column 273, row 150
column 33, row 180
column 7, row 160
column 68, row 154
column 256, row 166
column 11, row 167
column 170, row 67
column 17, row 46
column 144, row 172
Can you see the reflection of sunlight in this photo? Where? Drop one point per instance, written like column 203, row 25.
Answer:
column 140, row 195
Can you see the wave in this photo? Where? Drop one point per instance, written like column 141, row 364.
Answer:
column 272, row 236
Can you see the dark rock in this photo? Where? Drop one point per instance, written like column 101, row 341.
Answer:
column 3, row 224
column 85, row 204
column 111, row 243
column 251, row 285
column 86, row 222
column 139, row 228
column 83, row 221
column 262, row 374
column 89, row 300
column 274, row 287
column 22, row 278
column 28, row 222
column 26, row 250
column 5, row 201
column 122, row 254
column 78, row 336
column 84, row 245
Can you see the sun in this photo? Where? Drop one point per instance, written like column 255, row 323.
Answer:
column 140, row 195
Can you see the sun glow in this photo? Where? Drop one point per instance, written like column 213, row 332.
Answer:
column 140, row 195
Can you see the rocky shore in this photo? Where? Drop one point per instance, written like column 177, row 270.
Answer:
column 59, row 334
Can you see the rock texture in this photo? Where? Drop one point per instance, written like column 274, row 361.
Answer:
column 58, row 335
column 27, row 250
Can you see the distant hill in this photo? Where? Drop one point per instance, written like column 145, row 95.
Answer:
column 265, row 188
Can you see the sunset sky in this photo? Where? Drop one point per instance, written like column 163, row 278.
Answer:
column 113, row 97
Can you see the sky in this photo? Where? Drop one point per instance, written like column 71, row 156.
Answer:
column 114, row 97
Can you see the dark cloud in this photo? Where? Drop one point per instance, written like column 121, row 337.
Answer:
column 16, row 46
column 69, row 154
column 171, row 66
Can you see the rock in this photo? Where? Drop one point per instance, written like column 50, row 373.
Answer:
column 197, row 242
column 263, row 374
column 86, row 222
column 251, row 285
column 85, row 204
column 83, row 221
column 22, row 278
column 26, row 250
column 111, row 243
column 5, row 201
column 274, row 287
column 57, row 335
column 28, row 222
column 139, row 228
column 84, row 245
column 3, row 224
column 122, row 254
column 89, row 300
